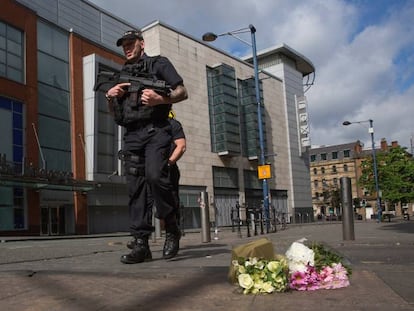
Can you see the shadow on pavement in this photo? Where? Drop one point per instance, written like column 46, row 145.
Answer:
column 403, row 227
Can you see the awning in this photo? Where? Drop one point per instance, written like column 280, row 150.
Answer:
column 41, row 183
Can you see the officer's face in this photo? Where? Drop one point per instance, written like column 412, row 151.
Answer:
column 133, row 49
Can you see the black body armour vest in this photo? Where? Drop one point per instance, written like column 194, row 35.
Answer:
column 129, row 110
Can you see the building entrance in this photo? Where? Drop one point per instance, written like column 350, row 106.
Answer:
column 52, row 220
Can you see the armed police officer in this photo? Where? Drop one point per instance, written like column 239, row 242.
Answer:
column 147, row 145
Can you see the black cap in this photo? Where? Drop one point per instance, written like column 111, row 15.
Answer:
column 128, row 35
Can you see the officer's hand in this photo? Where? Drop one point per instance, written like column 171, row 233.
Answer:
column 118, row 90
column 151, row 98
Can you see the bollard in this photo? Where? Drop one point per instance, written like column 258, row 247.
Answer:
column 205, row 218
column 347, row 209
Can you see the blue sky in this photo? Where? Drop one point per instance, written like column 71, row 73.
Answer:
column 363, row 52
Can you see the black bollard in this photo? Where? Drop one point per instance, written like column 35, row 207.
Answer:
column 347, row 209
column 205, row 218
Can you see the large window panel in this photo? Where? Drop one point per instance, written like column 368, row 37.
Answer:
column 52, row 41
column 53, row 102
column 223, row 110
column 106, row 164
column 54, row 97
column 251, row 180
column 107, row 138
column 250, row 124
column 53, row 71
column 57, row 159
column 54, row 133
column 12, row 200
column 11, row 53
column 224, row 177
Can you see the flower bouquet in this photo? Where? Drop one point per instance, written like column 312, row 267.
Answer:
column 315, row 267
column 256, row 270
column 261, row 276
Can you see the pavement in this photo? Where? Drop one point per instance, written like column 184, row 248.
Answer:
column 83, row 273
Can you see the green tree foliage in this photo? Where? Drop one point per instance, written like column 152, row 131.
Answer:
column 395, row 175
column 331, row 196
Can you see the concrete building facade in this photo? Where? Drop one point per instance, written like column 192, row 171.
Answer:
column 60, row 173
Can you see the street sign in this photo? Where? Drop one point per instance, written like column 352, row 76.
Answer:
column 264, row 172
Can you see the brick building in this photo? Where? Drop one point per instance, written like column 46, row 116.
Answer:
column 327, row 165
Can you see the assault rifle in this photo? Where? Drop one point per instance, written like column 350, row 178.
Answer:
column 138, row 82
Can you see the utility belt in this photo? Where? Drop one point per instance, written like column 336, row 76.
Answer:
column 134, row 164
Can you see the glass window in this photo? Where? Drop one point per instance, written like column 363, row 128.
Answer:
column 315, row 171
column 323, row 156
column 347, row 153
column 54, row 133
column 2, row 70
column 52, row 41
column 54, row 136
column 334, row 155
column 223, row 108
column 313, row 157
column 11, row 53
column 53, row 102
column 345, row 168
column 249, row 118
column 107, row 139
column 53, row 71
column 225, row 177
column 12, row 200
column 322, row 170
column 54, row 97
column 251, row 181
column 57, row 159
column 334, row 169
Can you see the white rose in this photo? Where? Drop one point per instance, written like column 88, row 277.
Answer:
column 245, row 281
column 268, row 288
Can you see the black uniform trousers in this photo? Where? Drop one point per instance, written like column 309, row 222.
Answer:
column 149, row 184
column 175, row 182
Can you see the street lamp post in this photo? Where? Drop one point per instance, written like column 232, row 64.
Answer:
column 209, row 36
column 374, row 160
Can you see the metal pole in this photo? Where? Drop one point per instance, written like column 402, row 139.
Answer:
column 39, row 147
column 347, row 209
column 374, row 160
column 260, row 123
column 205, row 218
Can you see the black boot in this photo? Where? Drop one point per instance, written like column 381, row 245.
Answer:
column 139, row 253
column 172, row 243
column 131, row 243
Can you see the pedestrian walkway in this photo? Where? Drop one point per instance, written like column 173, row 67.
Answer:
column 85, row 273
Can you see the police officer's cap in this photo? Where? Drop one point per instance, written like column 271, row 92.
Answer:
column 130, row 35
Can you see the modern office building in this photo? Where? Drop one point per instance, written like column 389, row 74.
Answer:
column 59, row 170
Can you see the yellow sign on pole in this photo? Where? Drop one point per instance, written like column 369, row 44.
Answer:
column 264, row 172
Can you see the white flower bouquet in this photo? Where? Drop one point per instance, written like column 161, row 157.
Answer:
column 261, row 276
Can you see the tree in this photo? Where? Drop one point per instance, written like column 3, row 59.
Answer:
column 395, row 175
column 332, row 196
